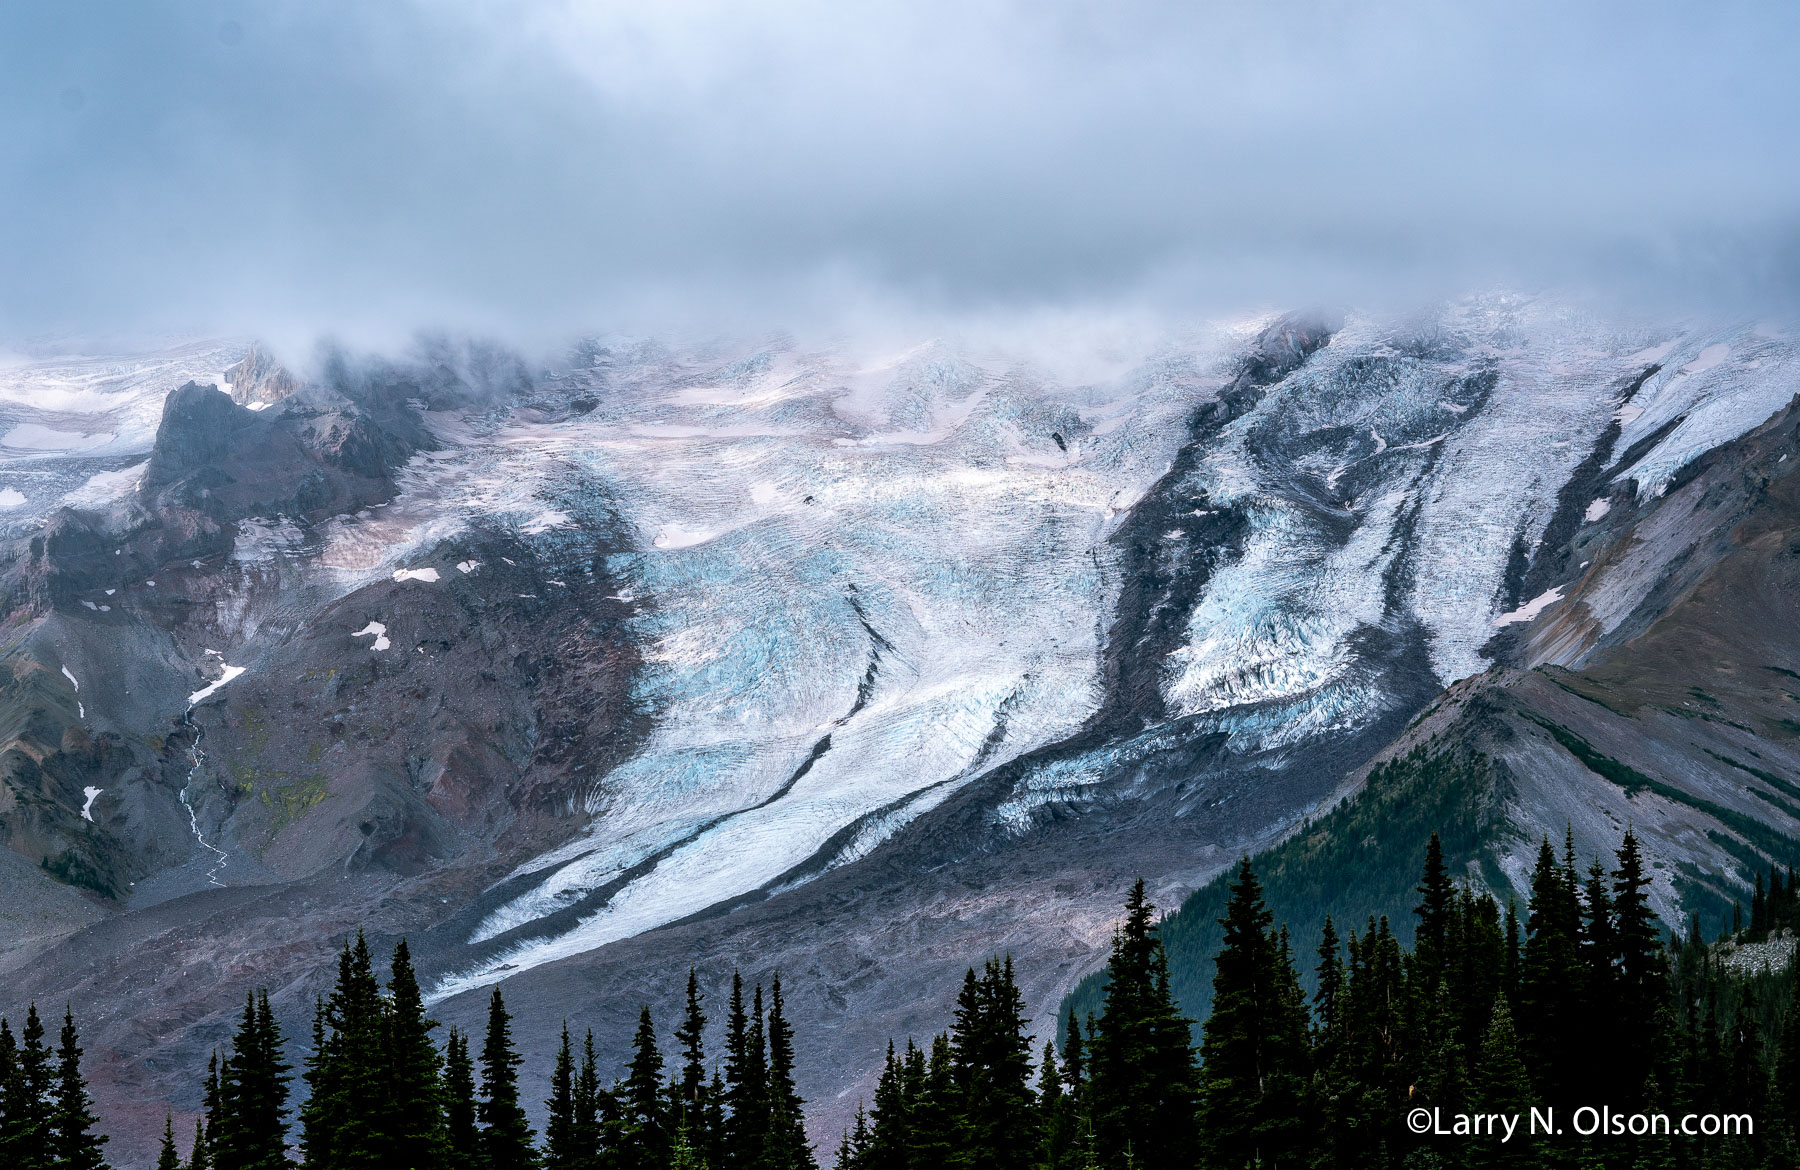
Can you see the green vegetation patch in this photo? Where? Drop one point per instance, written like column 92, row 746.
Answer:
column 1357, row 860
column 288, row 802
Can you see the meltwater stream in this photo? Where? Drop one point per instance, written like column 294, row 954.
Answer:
column 198, row 758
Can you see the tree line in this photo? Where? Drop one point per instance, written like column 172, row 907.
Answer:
column 1580, row 1000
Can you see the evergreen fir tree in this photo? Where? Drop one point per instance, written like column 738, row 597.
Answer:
column 691, row 1037
column 1502, row 1085
column 198, row 1159
column 344, row 1122
column 1551, row 991
column 1640, row 989
column 647, row 1138
column 1433, row 912
column 166, row 1156
column 26, row 1100
column 1053, row 1122
column 506, row 1137
column 784, row 1143
column 939, row 1138
column 1142, row 1077
column 891, row 1137
column 1253, row 1054
column 73, row 1144
column 561, row 1146
column 414, row 1127
column 24, row 1120
column 315, row 1135
column 462, row 1138
column 585, row 1124
column 746, row 1078
column 991, row 1058
column 251, row 1125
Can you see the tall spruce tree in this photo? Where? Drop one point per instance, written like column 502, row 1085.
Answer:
column 1552, row 983
column 992, row 1062
column 506, row 1137
column 586, row 1131
column 167, row 1157
column 253, row 1091
column 784, row 1141
column 561, row 1147
column 414, row 1130
column 461, row 1137
column 344, row 1122
column 746, row 1072
column 646, row 1138
column 73, row 1143
column 890, row 1138
column 198, row 1159
column 25, row 1099
column 1142, row 1086
column 1501, row 1085
column 1254, row 1052
column 691, row 1036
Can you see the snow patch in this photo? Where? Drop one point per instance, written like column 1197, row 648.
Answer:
column 207, row 692
column 36, row 437
column 466, row 567
column 11, row 498
column 380, row 632
column 675, row 536
column 1531, row 608
column 1596, row 510
column 72, row 680
column 415, row 574
column 87, row 807
column 1709, row 357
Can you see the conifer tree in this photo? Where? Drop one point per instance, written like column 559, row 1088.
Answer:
column 1502, row 1085
column 745, row 1074
column 646, row 1141
column 1641, row 988
column 937, row 1131
column 506, row 1137
column 691, row 1036
column 784, row 1142
column 198, row 1159
column 890, row 1138
column 414, row 1127
column 992, row 1063
column 1142, row 1078
column 1055, row 1148
column 26, row 1098
column 251, row 1125
column 561, row 1146
column 587, row 1107
column 345, row 1119
column 1551, row 996
column 462, row 1138
column 1433, row 911
column 74, row 1145
column 1254, row 1058
column 315, row 1135
column 166, row 1156
column 8, row 1059
column 15, row 1110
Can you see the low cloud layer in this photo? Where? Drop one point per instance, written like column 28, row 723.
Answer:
column 370, row 169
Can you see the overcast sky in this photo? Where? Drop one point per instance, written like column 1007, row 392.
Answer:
column 360, row 167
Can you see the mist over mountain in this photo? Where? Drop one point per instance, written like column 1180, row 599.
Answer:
column 603, row 492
